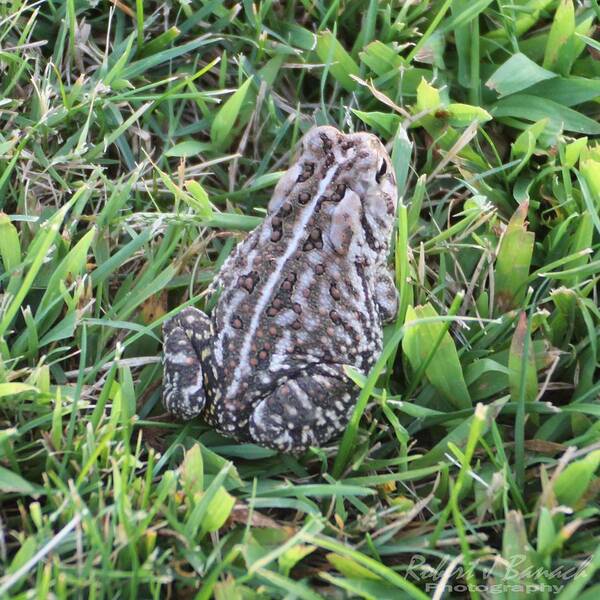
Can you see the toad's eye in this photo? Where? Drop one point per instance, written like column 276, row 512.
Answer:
column 381, row 171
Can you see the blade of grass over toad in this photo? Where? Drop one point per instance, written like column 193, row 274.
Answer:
column 402, row 149
column 401, row 157
column 349, row 437
column 351, row 431
column 405, row 294
column 402, row 272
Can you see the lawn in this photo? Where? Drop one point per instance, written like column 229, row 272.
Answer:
column 140, row 141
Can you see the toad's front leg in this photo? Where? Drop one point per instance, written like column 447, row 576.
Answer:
column 185, row 335
column 305, row 411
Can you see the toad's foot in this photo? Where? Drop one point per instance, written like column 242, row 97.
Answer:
column 185, row 336
column 302, row 412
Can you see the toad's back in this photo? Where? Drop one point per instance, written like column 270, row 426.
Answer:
column 307, row 291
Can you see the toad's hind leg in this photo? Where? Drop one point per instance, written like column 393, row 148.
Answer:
column 302, row 412
column 185, row 336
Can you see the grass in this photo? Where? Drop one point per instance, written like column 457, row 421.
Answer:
column 139, row 142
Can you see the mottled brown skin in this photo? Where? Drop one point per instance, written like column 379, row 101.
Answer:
column 304, row 294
